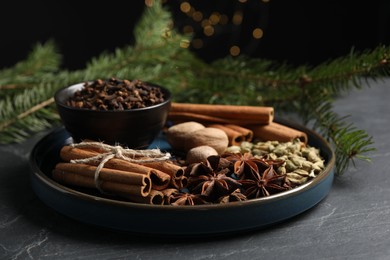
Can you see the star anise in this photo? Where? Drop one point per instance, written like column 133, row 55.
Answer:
column 265, row 183
column 212, row 179
column 245, row 164
column 236, row 195
column 183, row 198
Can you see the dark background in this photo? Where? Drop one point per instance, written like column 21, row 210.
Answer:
column 298, row 32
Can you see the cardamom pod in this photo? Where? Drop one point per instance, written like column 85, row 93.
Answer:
column 233, row 149
column 246, row 147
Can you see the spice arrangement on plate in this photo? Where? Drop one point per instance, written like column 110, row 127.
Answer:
column 220, row 154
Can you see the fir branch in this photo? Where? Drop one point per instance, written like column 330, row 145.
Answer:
column 42, row 59
column 27, row 112
column 154, row 27
column 335, row 76
column 33, row 109
column 40, row 120
column 349, row 142
column 15, row 111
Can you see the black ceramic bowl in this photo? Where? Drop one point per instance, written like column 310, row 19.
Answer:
column 134, row 128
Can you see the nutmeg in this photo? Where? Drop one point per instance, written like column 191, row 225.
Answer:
column 213, row 137
column 200, row 154
column 176, row 134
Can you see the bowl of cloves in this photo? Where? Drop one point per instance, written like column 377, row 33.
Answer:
column 114, row 111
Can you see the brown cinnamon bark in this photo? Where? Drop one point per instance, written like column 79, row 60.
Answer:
column 235, row 137
column 155, row 197
column 106, row 174
column 80, row 180
column 176, row 172
column 245, row 132
column 225, row 114
column 160, row 180
column 167, row 167
column 277, row 132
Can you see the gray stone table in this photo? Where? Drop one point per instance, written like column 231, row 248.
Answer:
column 352, row 222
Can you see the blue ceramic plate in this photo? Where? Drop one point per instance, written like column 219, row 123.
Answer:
column 196, row 220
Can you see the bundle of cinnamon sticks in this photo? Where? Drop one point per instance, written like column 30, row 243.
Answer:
column 240, row 123
column 137, row 182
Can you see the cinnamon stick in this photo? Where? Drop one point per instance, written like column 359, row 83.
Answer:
column 106, row 174
column 245, row 132
column 235, row 137
column 225, row 114
column 155, row 197
column 168, row 167
column 176, row 172
column 160, row 180
column 80, row 180
column 277, row 132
